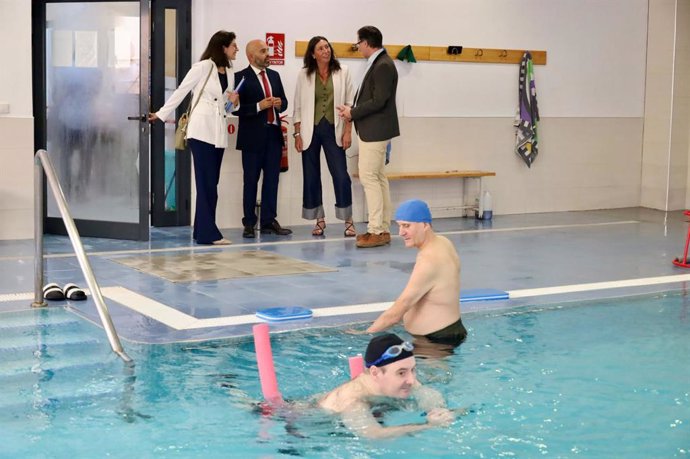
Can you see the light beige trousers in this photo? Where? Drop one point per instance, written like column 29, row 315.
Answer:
column 372, row 157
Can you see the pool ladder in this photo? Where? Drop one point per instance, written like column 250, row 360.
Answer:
column 43, row 164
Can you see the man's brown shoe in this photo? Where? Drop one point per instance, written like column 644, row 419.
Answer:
column 374, row 240
column 386, row 237
column 362, row 236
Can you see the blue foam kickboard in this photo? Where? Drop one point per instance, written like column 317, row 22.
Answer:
column 482, row 294
column 284, row 313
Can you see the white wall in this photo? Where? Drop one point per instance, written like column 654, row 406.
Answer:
column 680, row 134
column 591, row 96
column 16, row 128
column 666, row 142
column 15, row 49
column 596, row 58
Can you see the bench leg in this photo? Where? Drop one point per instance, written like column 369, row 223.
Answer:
column 464, row 198
column 480, row 211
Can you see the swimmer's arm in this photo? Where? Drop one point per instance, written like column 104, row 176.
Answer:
column 428, row 398
column 360, row 420
column 419, row 285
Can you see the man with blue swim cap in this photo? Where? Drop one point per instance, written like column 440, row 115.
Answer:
column 390, row 373
column 429, row 306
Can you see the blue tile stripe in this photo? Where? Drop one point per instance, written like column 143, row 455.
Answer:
column 482, row 294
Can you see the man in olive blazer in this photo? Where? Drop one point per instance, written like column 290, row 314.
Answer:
column 376, row 121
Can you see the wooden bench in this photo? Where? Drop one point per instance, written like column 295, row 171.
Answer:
column 447, row 174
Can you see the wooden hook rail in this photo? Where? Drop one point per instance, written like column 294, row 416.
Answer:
column 437, row 53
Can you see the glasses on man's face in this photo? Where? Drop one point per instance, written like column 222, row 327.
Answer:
column 391, row 352
column 355, row 46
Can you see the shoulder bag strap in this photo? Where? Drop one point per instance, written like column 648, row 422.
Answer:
column 191, row 107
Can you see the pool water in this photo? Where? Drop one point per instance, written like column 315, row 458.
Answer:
column 592, row 380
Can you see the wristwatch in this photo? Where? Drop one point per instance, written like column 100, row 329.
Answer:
column 296, row 134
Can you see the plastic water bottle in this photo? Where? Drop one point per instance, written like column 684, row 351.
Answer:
column 488, row 206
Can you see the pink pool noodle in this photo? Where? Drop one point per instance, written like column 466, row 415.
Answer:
column 356, row 366
column 264, row 360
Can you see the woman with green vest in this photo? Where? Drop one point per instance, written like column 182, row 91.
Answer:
column 322, row 85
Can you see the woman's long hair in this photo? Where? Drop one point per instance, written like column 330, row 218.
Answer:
column 214, row 49
column 309, row 61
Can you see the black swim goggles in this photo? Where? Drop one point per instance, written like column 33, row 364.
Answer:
column 391, row 352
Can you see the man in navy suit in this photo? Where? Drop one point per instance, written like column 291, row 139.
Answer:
column 260, row 138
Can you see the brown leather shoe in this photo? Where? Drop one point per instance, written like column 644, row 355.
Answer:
column 386, row 237
column 374, row 240
column 362, row 236
column 275, row 228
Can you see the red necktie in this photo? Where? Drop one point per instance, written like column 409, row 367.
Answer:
column 267, row 91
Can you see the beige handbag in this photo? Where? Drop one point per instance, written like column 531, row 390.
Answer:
column 181, row 131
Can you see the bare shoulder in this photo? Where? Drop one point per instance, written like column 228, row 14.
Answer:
column 444, row 240
column 439, row 248
column 447, row 246
column 343, row 398
column 441, row 252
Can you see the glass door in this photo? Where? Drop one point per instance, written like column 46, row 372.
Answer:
column 93, row 86
column 170, row 61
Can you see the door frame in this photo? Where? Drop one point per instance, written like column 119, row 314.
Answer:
column 95, row 228
column 181, row 216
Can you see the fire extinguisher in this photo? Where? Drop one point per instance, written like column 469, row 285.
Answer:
column 284, row 158
column 270, row 43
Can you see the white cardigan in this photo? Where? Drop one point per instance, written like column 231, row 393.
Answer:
column 209, row 121
column 343, row 94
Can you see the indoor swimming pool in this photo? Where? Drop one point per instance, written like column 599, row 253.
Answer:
column 595, row 379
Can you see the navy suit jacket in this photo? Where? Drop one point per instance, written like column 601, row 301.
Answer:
column 252, row 131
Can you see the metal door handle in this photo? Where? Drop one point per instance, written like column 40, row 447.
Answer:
column 141, row 118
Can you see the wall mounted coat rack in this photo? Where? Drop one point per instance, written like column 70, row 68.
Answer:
column 438, row 53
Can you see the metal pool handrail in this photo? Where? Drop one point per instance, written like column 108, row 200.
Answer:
column 42, row 164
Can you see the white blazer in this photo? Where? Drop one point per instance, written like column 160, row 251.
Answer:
column 209, row 121
column 343, row 94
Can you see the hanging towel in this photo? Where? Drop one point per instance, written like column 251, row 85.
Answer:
column 527, row 118
column 406, row 54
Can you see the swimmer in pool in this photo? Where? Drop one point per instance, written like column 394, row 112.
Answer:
column 429, row 306
column 390, row 374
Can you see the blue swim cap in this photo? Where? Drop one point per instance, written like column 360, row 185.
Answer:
column 413, row 210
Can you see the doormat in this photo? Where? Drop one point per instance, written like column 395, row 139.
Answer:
column 205, row 266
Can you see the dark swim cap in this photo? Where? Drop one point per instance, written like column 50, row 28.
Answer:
column 379, row 345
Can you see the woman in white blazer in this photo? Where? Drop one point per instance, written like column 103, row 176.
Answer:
column 322, row 85
column 207, row 129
